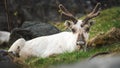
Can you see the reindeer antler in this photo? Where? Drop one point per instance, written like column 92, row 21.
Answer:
column 65, row 12
column 94, row 13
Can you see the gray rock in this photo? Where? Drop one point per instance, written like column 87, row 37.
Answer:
column 39, row 28
column 32, row 29
column 6, row 60
column 20, row 33
column 111, row 60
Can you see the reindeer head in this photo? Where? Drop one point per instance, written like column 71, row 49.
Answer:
column 17, row 47
column 80, row 27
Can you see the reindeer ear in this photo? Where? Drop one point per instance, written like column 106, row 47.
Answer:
column 88, row 26
column 18, row 47
column 68, row 23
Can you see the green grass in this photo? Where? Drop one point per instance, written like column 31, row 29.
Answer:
column 105, row 21
column 108, row 18
column 67, row 58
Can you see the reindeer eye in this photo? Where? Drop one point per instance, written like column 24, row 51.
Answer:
column 73, row 30
column 87, row 29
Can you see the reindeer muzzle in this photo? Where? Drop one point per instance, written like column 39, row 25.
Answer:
column 80, row 43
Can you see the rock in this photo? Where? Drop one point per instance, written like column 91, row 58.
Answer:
column 32, row 29
column 103, row 60
column 6, row 61
column 8, row 65
column 20, row 33
column 4, row 38
column 40, row 29
column 4, row 57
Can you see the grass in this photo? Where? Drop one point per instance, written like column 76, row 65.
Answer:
column 67, row 58
column 108, row 18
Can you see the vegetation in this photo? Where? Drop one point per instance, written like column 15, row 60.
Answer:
column 108, row 18
column 68, row 58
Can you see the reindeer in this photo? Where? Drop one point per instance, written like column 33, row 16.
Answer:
column 46, row 46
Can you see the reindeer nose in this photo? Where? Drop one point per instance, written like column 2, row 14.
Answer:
column 80, row 43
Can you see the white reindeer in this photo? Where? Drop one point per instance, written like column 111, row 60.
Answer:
column 4, row 37
column 46, row 46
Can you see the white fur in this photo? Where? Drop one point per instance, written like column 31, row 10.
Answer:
column 48, row 45
column 19, row 43
column 4, row 37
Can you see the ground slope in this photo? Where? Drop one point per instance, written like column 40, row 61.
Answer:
column 108, row 18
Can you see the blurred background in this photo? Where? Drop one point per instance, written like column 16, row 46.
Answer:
column 17, row 11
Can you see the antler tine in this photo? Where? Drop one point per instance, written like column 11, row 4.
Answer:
column 97, row 7
column 94, row 13
column 65, row 12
